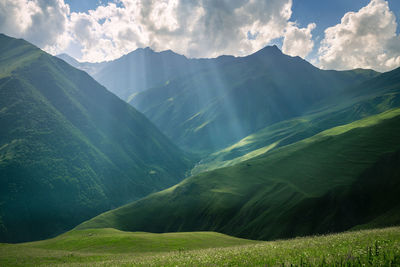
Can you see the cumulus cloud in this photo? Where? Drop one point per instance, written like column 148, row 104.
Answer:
column 43, row 22
column 298, row 41
column 363, row 39
column 204, row 28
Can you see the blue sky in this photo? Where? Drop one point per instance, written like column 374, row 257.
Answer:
column 96, row 30
column 84, row 6
column 324, row 13
column 327, row 13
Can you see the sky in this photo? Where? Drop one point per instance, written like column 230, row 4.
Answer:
column 331, row 34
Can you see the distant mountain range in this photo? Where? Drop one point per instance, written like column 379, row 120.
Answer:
column 222, row 104
column 207, row 104
column 70, row 149
column 90, row 68
column 137, row 71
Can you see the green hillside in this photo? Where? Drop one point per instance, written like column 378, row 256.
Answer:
column 369, row 98
column 326, row 183
column 69, row 149
column 210, row 108
column 109, row 247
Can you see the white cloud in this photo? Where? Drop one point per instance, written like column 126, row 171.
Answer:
column 298, row 41
column 363, row 39
column 42, row 22
column 204, row 28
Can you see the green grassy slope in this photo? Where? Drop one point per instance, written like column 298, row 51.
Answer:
column 108, row 247
column 210, row 108
column 115, row 241
column 375, row 96
column 279, row 194
column 69, row 149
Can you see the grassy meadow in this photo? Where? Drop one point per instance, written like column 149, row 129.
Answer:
column 110, row 247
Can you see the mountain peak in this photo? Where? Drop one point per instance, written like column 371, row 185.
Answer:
column 169, row 51
column 141, row 50
column 273, row 49
column 147, row 49
column 268, row 51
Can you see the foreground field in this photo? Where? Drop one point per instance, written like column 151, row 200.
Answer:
column 109, row 247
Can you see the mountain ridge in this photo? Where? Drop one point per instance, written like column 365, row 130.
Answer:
column 69, row 148
column 224, row 102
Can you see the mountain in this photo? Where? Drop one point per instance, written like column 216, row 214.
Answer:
column 70, row 149
column 91, row 68
column 229, row 98
column 350, row 104
column 206, row 104
column 344, row 177
column 143, row 69
column 139, row 70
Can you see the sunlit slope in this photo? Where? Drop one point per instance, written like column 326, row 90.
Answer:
column 338, row 179
column 375, row 96
column 69, row 149
column 109, row 247
column 115, row 241
column 228, row 100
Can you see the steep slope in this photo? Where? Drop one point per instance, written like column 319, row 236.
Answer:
column 69, row 149
column 343, row 177
column 231, row 97
column 372, row 97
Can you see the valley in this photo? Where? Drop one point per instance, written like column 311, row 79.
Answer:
column 157, row 158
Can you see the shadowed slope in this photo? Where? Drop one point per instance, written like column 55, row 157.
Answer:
column 69, row 149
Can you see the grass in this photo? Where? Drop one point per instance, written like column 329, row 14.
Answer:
column 115, row 241
column 326, row 183
column 325, row 116
column 109, row 247
column 19, row 53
